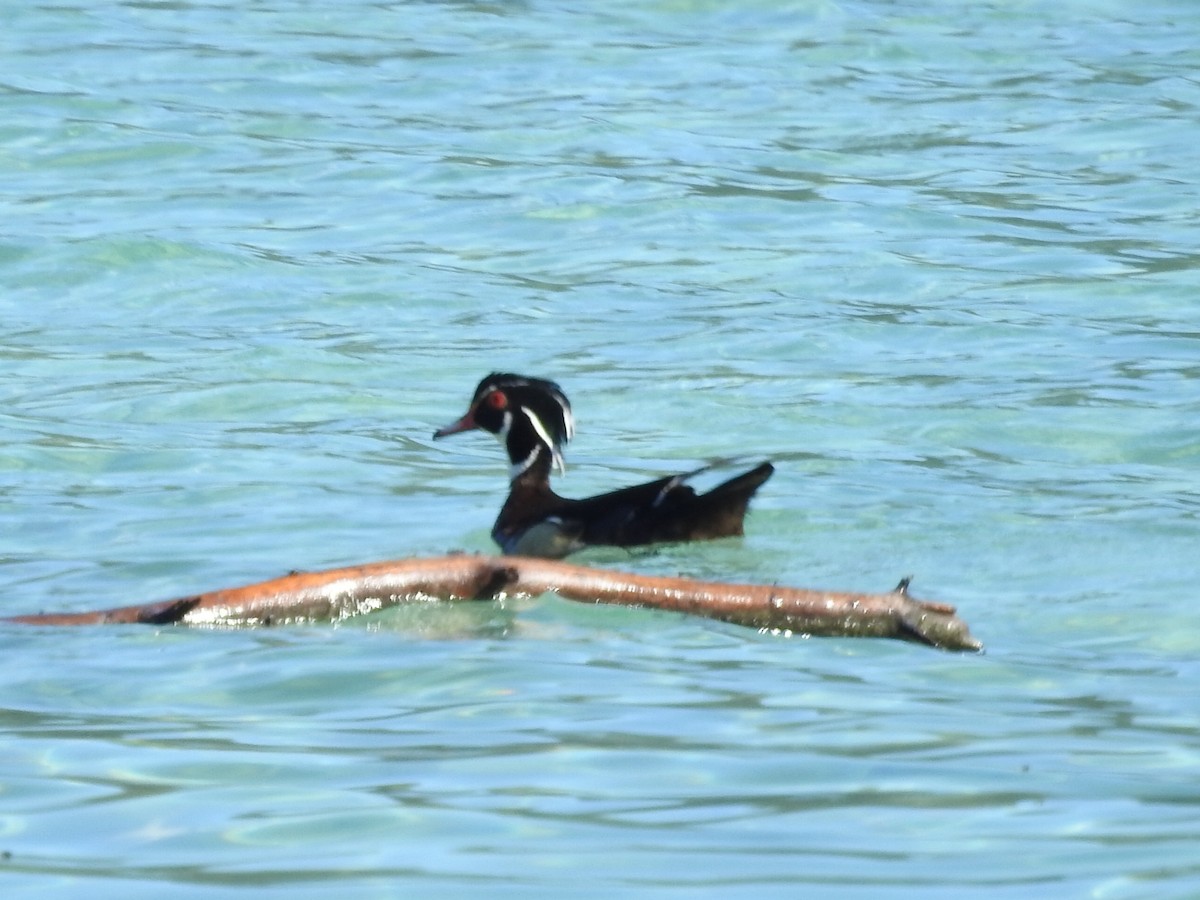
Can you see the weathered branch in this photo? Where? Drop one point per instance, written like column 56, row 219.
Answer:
column 340, row 593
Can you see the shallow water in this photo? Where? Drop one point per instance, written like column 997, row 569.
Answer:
column 938, row 261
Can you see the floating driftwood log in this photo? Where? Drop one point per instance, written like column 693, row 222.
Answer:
column 340, row 593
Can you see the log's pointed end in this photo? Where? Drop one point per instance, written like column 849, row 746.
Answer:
column 926, row 625
column 931, row 623
column 167, row 612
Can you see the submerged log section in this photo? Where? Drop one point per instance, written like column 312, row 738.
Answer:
column 340, row 593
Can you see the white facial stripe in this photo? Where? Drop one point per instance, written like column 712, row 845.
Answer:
column 555, row 457
column 518, row 468
column 505, row 427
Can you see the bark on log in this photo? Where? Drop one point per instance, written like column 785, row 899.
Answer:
column 340, row 593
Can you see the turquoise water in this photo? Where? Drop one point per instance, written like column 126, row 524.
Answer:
column 937, row 260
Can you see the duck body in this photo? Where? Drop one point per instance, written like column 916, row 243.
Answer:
column 535, row 521
column 532, row 418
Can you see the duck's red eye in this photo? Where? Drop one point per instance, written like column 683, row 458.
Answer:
column 496, row 400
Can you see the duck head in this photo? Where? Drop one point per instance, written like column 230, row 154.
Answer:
column 531, row 417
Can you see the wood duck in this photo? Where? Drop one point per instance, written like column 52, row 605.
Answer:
column 532, row 418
